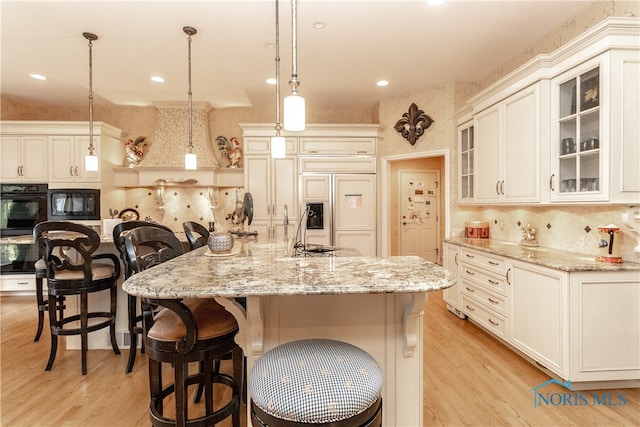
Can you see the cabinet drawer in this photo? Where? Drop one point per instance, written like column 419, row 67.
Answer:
column 339, row 146
column 484, row 278
column 18, row 283
column 494, row 264
column 494, row 302
column 495, row 323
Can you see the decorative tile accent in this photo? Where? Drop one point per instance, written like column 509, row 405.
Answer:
column 587, row 229
column 548, row 226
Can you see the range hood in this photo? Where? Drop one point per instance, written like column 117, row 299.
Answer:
column 163, row 164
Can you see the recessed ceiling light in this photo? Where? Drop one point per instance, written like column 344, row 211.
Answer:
column 435, row 2
column 269, row 45
column 157, row 79
column 382, row 83
column 271, row 81
column 38, row 76
column 318, row 25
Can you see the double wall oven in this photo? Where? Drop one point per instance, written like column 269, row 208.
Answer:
column 22, row 206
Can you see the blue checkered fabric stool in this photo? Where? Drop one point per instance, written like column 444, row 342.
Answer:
column 316, row 382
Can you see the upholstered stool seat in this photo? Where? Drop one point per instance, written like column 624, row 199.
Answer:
column 316, row 382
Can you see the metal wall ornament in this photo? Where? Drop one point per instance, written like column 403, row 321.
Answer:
column 413, row 124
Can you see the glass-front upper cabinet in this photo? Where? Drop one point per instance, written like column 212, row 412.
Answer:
column 576, row 147
column 466, row 167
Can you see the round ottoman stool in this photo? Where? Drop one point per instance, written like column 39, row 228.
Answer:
column 316, row 382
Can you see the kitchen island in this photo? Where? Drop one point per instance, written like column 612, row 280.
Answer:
column 376, row 304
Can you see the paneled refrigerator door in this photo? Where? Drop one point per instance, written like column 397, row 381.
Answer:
column 355, row 212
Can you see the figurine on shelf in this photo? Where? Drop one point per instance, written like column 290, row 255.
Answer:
column 230, row 149
column 134, row 150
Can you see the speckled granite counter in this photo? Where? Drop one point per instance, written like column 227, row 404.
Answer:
column 546, row 257
column 374, row 303
column 262, row 269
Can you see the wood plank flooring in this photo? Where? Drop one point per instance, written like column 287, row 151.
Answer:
column 471, row 379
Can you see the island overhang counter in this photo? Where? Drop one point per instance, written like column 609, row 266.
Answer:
column 374, row 303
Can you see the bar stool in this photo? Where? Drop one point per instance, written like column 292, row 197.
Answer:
column 74, row 271
column 316, row 382
column 41, row 302
column 197, row 234
column 134, row 319
column 184, row 331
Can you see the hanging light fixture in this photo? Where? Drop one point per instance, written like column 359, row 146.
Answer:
column 190, row 158
column 91, row 160
column 278, row 143
column 294, row 106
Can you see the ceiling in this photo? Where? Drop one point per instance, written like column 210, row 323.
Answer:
column 408, row 43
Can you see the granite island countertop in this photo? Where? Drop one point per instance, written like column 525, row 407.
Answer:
column 266, row 269
column 546, row 257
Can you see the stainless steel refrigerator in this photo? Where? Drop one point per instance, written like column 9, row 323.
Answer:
column 339, row 210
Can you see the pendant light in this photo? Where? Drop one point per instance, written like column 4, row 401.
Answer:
column 91, row 160
column 294, row 106
column 190, row 158
column 278, row 143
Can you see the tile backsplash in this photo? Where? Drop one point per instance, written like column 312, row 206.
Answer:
column 184, row 204
column 574, row 229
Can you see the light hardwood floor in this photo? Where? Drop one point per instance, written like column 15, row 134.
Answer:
column 470, row 379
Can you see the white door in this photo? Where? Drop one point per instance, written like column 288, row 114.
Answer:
column 418, row 204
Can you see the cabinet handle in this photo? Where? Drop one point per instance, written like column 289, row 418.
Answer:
column 22, row 283
column 551, row 182
column 490, row 300
column 361, row 152
column 494, row 263
column 471, row 273
column 469, row 256
column 456, row 259
column 493, row 282
column 469, row 289
column 470, row 309
column 497, row 185
column 313, row 152
column 76, row 171
column 494, row 323
column 507, row 276
column 71, row 170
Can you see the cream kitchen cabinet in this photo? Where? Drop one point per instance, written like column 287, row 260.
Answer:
column 24, row 158
column 595, row 131
column 507, row 149
column 273, row 184
column 66, row 159
column 483, row 290
column 466, row 163
column 337, row 145
column 538, row 315
column 605, row 326
column 452, row 295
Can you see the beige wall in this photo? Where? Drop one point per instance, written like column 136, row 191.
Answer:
column 560, row 227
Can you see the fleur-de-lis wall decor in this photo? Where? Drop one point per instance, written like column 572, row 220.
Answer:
column 413, row 124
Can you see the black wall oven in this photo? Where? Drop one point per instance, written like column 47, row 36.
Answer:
column 22, row 206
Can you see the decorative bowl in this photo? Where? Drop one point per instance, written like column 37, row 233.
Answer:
column 220, row 242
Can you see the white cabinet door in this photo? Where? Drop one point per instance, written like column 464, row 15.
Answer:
column 605, row 326
column 66, row 159
column 488, row 173
column 466, row 163
column 538, row 318
column 272, row 184
column 452, row 295
column 24, row 159
column 508, row 150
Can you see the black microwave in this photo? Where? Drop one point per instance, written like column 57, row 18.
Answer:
column 73, row 204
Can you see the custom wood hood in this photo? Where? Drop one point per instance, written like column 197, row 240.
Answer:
column 152, row 176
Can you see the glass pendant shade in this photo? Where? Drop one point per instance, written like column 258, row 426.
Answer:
column 278, row 147
column 190, row 161
column 294, row 113
column 91, row 163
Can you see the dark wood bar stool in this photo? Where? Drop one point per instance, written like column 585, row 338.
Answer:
column 134, row 320
column 73, row 268
column 181, row 332
column 316, row 382
column 197, row 234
